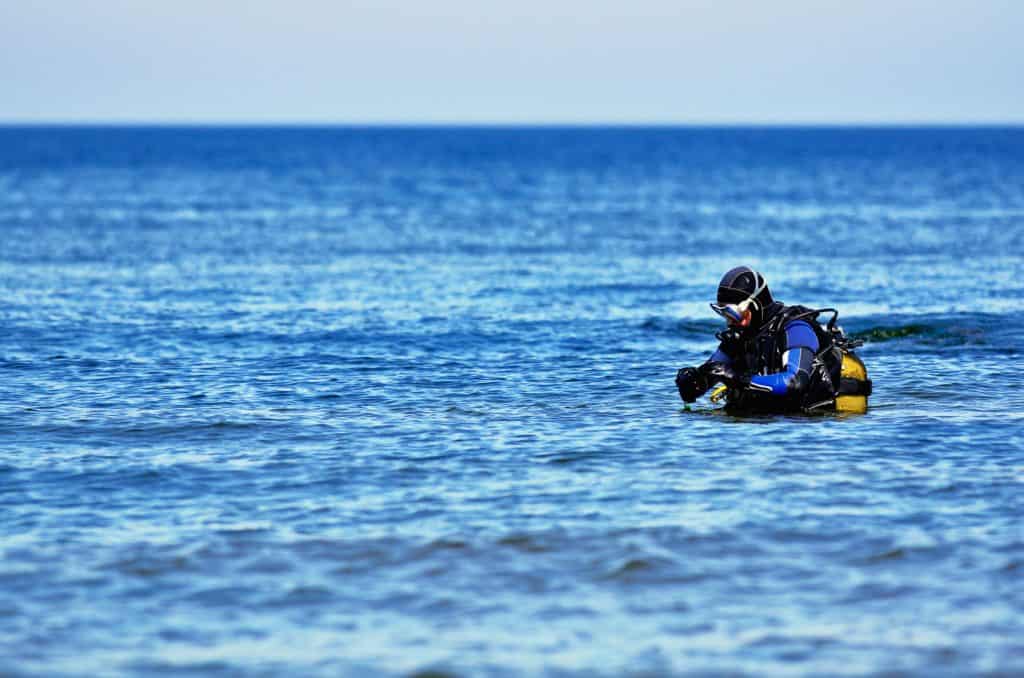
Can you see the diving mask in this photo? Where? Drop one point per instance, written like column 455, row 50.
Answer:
column 737, row 313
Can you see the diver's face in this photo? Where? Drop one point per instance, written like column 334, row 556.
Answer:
column 736, row 315
column 744, row 321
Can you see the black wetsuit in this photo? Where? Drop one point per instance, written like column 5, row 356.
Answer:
column 790, row 361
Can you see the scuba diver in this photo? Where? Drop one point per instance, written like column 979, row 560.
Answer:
column 776, row 358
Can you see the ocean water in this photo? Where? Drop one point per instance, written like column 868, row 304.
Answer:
column 396, row 402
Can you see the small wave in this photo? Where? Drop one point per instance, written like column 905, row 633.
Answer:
column 631, row 565
column 443, row 544
column 530, row 543
column 878, row 334
column 433, row 673
column 890, row 554
column 935, row 334
column 702, row 329
column 961, row 329
column 119, row 430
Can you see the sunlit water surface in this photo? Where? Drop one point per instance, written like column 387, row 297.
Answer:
column 382, row 402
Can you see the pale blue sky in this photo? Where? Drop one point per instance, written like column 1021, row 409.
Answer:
column 522, row 61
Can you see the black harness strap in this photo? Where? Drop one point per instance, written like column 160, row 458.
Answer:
column 849, row 386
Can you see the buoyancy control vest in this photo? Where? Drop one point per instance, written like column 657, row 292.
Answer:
column 837, row 375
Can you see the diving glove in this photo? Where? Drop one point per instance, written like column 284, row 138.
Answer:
column 720, row 372
column 691, row 383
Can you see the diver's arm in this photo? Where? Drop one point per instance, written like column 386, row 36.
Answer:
column 794, row 377
column 716, row 369
column 802, row 344
column 693, row 382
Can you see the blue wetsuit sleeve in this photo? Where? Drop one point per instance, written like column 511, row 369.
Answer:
column 801, row 345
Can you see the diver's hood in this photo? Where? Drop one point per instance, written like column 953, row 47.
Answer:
column 740, row 283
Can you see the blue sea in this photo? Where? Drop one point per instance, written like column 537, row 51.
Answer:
column 399, row 402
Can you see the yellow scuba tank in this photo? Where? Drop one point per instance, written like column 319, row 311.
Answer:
column 854, row 385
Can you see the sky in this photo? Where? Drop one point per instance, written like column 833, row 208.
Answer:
column 513, row 62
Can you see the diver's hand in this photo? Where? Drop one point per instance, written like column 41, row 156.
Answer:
column 691, row 384
column 720, row 372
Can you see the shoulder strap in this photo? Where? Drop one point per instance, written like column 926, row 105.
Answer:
column 789, row 314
